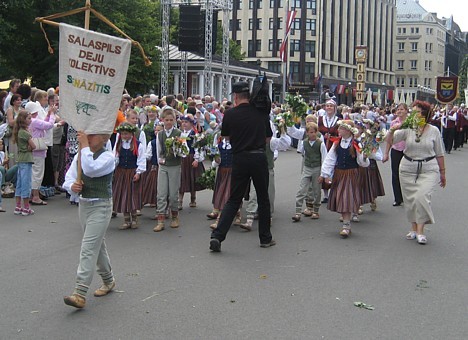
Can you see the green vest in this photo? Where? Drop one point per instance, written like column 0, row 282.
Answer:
column 97, row 187
column 270, row 156
column 171, row 160
column 312, row 154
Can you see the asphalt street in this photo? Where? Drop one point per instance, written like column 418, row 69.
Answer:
column 170, row 286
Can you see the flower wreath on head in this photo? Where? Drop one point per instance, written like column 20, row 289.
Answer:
column 126, row 127
column 348, row 127
column 152, row 108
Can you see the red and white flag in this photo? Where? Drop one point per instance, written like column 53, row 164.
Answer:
column 340, row 89
column 283, row 48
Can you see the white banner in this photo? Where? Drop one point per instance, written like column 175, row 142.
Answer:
column 92, row 73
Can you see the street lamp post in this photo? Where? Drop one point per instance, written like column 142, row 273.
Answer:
column 349, row 100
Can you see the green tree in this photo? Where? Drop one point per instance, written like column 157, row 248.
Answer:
column 24, row 49
column 235, row 50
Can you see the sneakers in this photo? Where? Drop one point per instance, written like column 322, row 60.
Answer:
column 411, row 235
column 26, row 212
column 75, row 300
column 307, row 212
column 355, row 218
column 269, row 244
column 215, row 245
column 18, row 211
column 105, row 289
column 421, row 239
column 159, row 227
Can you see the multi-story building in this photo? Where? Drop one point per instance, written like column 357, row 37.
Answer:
column 321, row 44
column 419, row 50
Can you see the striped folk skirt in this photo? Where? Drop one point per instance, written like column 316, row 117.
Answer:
column 149, row 184
column 222, row 189
column 375, row 180
column 189, row 175
column 126, row 194
column 345, row 192
column 365, row 186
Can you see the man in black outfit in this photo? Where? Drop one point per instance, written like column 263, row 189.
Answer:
column 248, row 130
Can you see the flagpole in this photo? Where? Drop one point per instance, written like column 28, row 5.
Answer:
column 285, row 64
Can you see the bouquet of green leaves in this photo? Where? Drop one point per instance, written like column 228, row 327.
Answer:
column 177, row 146
column 413, row 121
column 208, row 179
column 296, row 105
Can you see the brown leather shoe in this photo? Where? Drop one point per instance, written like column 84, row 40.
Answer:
column 105, row 289
column 75, row 300
column 159, row 227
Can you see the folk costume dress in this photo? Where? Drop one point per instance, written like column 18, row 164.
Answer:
column 343, row 164
column 328, row 128
column 127, row 193
column 222, row 189
column 189, row 174
column 150, row 176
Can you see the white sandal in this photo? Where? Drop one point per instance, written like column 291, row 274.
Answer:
column 421, row 239
column 411, row 235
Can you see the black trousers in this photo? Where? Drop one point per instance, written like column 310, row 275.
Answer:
column 459, row 139
column 396, row 157
column 247, row 166
column 448, row 136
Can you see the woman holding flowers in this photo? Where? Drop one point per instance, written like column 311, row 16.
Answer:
column 421, row 168
column 342, row 163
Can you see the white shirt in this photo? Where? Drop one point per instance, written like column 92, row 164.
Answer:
column 141, row 159
column 328, row 167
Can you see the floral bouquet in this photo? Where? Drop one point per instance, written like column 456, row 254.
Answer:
column 372, row 137
column 177, row 147
column 202, row 140
column 296, row 105
column 413, row 121
column 284, row 120
column 208, row 179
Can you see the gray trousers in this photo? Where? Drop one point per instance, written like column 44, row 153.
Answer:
column 309, row 188
column 252, row 204
column 168, row 186
column 94, row 219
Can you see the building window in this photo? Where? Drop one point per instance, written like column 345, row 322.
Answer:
column 400, row 81
column 312, row 4
column 271, row 44
column 429, row 31
column 401, row 47
column 250, row 48
column 414, row 64
column 237, row 25
column 309, row 47
column 428, row 47
column 271, row 23
column 238, row 5
column 310, row 26
column 414, row 47
column 428, row 65
column 295, row 45
column 414, row 30
column 296, row 4
column 427, row 82
column 258, row 25
column 410, row 82
column 400, row 64
column 294, row 72
column 276, row 3
column 401, row 30
column 275, row 66
column 250, row 24
column 258, row 45
column 309, row 72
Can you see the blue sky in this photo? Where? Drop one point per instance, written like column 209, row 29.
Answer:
column 445, row 8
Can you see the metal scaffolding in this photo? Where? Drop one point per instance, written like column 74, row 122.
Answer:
column 209, row 6
column 166, row 11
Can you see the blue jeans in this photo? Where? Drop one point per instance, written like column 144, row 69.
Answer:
column 23, row 182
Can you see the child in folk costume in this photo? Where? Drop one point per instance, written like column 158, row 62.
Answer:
column 342, row 163
column 153, row 120
column 169, row 170
column 371, row 181
column 130, row 155
column 149, row 178
column 222, row 189
column 192, row 166
column 95, row 191
column 314, row 153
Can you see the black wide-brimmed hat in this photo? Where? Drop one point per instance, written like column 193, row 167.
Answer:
column 240, row 86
